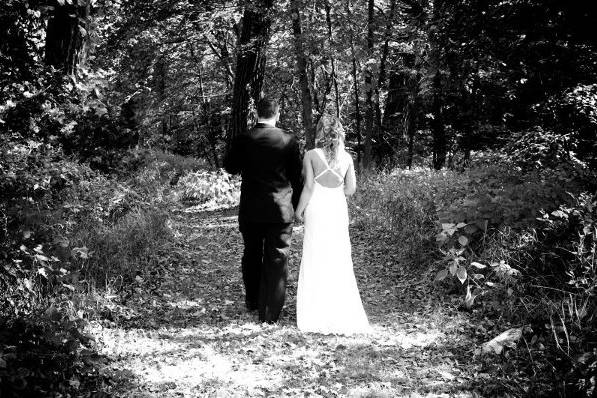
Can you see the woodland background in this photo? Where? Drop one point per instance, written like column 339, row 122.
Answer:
column 474, row 125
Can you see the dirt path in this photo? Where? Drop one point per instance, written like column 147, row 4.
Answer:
column 191, row 337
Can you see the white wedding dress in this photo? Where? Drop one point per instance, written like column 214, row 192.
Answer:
column 328, row 299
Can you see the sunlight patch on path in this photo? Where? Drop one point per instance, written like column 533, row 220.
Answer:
column 191, row 337
column 250, row 359
column 406, row 340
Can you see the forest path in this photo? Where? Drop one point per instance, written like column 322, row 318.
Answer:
column 191, row 336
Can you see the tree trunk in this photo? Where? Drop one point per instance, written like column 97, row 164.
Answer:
column 66, row 35
column 213, row 140
column 250, row 63
column 369, row 105
column 355, row 80
column 334, row 74
column 159, row 88
column 381, row 79
column 410, row 127
column 357, row 108
column 437, row 123
column 301, row 62
column 312, row 85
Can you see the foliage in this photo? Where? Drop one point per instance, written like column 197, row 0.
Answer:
column 521, row 243
column 69, row 236
column 93, row 160
column 574, row 112
column 209, row 190
column 405, row 203
column 515, row 239
column 56, row 213
column 48, row 357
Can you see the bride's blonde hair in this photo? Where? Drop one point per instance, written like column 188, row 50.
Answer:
column 330, row 136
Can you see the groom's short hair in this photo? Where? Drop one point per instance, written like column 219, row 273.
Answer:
column 267, row 108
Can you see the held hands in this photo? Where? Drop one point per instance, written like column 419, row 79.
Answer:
column 299, row 215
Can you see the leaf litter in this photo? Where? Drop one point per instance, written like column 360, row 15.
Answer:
column 188, row 333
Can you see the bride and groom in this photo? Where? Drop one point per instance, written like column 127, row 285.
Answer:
column 277, row 187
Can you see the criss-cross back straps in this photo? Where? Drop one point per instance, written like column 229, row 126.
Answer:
column 327, row 167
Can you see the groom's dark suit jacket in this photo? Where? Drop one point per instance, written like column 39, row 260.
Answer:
column 269, row 161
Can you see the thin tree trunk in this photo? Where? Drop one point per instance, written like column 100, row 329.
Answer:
column 211, row 131
column 334, row 74
column 381, row 79
column 159, row 88
column 301, row 62
column 437, row 124
column 410, row 126
column 312, row 84
column 250, row 63
column 212, row 139
column 355, row 80
column 66, row 35
column 357, row 108
column 224, row 55
column 369, row 106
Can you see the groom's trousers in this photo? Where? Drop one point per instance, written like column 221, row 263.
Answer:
column 265, row 267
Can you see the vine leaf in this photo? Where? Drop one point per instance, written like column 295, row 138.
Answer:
column 461, row 274
column 441, row 275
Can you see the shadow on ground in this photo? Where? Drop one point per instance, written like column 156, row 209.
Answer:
column 192, row 336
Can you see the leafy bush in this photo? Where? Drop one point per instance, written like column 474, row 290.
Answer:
column 523, row 239
column 542, row 149
column 63, row 222
column 48, row 357
column 405, row 203
column 515, row 235
column 575, row 113
column 556, row 287
column 121, row 250
column 209, row 190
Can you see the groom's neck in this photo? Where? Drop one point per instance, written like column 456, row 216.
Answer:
column 270, row 122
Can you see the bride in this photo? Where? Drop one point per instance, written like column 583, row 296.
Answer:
column 328, row 299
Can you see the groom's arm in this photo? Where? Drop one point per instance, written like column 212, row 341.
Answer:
column 295, row 171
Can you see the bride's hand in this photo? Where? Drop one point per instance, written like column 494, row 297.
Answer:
column 299, row 216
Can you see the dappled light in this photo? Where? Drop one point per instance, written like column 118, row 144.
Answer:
column 448, row 219
column 196, row 337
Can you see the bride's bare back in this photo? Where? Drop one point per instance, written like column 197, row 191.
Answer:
column 327, row 176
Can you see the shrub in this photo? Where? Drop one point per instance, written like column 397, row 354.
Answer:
column 523, row 238
column 404, row 203
column 556, row 291
column 34, row 185
column 119, row 251
column 209, row 190
column 62, row 222
column 502, row 198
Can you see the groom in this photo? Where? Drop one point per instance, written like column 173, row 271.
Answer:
column 269, row 162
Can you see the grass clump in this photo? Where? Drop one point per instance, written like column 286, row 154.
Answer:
column 516, row 242
column 405, row 203
column 209, row 190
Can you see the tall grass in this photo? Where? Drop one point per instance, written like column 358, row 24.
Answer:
column 405, row 204
column 116, row 253
column 519, row 244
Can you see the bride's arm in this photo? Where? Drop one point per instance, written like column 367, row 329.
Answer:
column 350, row 179
column 307, row 188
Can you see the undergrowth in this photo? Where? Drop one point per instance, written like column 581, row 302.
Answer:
column 516, row 242
column 72, row 240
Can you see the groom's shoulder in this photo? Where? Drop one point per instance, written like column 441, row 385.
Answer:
column 286, row 135
column 274, row 133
